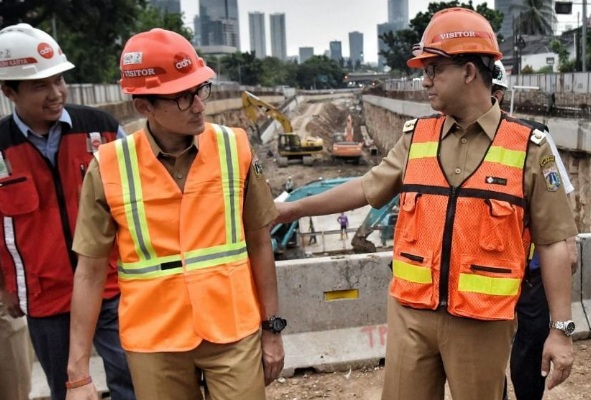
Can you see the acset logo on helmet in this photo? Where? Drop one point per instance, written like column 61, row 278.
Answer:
column 45, row 50
column 183, row 63
column 134, row 57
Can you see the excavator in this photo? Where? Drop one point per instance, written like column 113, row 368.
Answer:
column 289, row 144
column 283, row 236
column 346, row 148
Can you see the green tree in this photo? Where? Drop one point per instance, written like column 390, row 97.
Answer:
column 151, row 17
column 536, row 17
column 563, row 60
column 90, row 32
column 399, row 48
column 320, row 72
column 243, row 68
column 276, row 72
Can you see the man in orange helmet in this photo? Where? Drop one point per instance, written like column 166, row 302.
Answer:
column 472, row 183
column 188, row 206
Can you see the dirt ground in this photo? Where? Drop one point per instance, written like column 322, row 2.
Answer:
column 367, row 384
column 324, row 120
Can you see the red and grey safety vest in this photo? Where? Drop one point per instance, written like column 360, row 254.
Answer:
column 39, row 206
column 461, row 247
column 184, row 270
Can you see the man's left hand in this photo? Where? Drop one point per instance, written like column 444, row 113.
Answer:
column 558, row 351
column 273, row 355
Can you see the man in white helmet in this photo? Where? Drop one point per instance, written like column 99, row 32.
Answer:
column 45, row 149
column 533, row 315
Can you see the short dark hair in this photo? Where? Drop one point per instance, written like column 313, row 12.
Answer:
column 151, row 98
column 12, row 84
column 484, row 64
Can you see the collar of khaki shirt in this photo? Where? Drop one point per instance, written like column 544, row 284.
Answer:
column 488, row 123
column 158, row 151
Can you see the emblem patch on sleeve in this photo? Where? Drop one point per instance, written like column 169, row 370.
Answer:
column 552, row 178
column 546, row 160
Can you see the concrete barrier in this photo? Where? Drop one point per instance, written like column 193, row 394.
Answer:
column 336, row 311
column 581, row 289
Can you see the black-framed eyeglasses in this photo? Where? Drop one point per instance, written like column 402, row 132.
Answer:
column 185, row 100
column 432, row 69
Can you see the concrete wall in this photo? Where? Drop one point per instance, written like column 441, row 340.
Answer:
column 385, row 117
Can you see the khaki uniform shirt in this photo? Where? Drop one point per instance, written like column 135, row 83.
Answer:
column 96, row 229
column 462, row 150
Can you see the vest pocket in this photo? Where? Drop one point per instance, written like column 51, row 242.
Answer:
column 487, row 288
column 413, row 281
column 18, row 195
column 495, row 225
column 408, row 216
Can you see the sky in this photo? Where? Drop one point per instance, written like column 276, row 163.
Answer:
column 315, row 23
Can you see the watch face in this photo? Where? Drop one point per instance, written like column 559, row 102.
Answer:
column 278, row 324
column 570, row 327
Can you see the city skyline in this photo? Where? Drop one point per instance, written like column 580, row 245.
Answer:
column 315, row 23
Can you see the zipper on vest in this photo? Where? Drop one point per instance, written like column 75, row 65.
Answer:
column 61, row 202
column 446, row 247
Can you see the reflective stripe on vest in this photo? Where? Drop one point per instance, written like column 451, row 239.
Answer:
column 149, row 264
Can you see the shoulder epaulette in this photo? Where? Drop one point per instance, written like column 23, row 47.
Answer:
column 409, row 126
column 537, row 136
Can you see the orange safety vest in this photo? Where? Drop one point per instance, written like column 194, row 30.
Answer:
column 462, row 247
column 184, row 270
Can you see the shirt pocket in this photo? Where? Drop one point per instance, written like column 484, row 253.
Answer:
column 18, row 195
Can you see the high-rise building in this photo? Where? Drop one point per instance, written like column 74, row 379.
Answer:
column 219, row 23
column 256, row 24
column 278, row 36
column 197, row 30
column 511, row 17
column 306, row 53
column 336, row 50
column 383, row 28
column 504, row 6
column 356, row 47
column 167, row 6
column 398, row 14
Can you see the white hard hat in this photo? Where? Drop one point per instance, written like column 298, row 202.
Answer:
column 28, row 53
column 500, row 75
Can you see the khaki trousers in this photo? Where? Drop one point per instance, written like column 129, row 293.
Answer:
column 16, row 357
column 232, row 371
column 424, row 348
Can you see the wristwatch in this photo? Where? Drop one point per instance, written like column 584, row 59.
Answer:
column 274, row 324
column 566, row 327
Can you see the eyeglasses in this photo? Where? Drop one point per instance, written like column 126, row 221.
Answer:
column 185, row 100
column 432, row 69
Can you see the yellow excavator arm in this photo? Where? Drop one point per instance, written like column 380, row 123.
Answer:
column 251, row 103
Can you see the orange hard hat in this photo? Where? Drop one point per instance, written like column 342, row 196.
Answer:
column 161, row 62
column 455, row 31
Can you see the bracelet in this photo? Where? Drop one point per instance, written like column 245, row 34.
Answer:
column 78, row 383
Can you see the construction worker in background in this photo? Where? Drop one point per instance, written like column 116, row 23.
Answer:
column 45, row 148
column 344, row 224
column 189, row 207
column 289, row 185
column 472, row 181
column 533, row 315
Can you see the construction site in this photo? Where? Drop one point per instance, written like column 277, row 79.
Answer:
column 333, row 285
